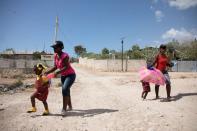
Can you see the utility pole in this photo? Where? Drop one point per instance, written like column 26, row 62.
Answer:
column 56, row 28
column 44, row 47
column 122, row 52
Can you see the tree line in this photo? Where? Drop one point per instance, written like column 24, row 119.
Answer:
column 175, row 50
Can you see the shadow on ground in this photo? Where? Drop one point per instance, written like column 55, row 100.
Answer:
column 82, row 113
column 178, row 97
column 181, row 95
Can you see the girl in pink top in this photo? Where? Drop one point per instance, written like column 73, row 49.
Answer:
column 62, row 66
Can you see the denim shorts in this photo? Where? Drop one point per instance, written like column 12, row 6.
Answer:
column 167, row 77
column 67, row 82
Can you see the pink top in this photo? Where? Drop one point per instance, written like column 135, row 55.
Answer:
column 59, row 63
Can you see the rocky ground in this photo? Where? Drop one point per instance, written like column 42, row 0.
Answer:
column 104, row 101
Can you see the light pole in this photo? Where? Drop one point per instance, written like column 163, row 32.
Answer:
column 122, row 53
column 56, row 28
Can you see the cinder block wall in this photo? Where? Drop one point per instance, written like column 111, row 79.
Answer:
column 132, row 65
column 112, row 65
column 19, row 66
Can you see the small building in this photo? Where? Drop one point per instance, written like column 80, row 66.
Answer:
column 47, row 57
column 10, row 54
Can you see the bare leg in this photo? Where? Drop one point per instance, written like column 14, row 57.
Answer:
column 157, row 91
column 142, row 94
column 33, row 103
column 45, row 105
column 46, row 112
column 146, row 93
column 168, row 90
column 70, row 103
column 65, row 102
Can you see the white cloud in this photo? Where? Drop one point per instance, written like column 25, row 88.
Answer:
column 159, row 15
column 182, row 4
column 180, row 35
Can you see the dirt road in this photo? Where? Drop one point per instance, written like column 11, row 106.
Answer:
column 106, row 102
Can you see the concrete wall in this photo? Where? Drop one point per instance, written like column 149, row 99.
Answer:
column 100, row 65
column 132, row 65
column 15, row 67
column 21, row 63
column 112, row 65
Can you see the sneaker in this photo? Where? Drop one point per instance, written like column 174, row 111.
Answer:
column 33, row 109
column 63, row 112
column 46, row 112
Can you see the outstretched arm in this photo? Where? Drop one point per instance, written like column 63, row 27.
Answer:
column 50, row 70
column 65, row 65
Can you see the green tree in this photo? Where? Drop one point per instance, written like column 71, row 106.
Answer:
column 149, row 53
column 171, row 49
column 135, row 47
column 79, row 50
column 193, row 50
column 91, row 55
column 105, row 51
column 129, row 53
column 36, row 55
column 136, row 52
column 10, row 50
column 112, row 52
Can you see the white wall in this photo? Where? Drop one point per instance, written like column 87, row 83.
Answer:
column 112, row 65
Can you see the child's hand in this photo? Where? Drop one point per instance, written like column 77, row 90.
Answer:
column 45, row 73
column 55, row 74
column 52, row 75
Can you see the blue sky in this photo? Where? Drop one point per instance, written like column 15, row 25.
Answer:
column 30, row 24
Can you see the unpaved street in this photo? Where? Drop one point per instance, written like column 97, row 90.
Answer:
column 106, row 102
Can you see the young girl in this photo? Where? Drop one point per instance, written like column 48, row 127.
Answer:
column 146, row 85
column 41, row 85
column 146, row 89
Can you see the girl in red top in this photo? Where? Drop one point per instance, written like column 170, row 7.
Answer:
column 162, row 62
column 41, row 93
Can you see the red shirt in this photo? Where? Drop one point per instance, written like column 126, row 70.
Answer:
column 161, row 62
column 41, row 90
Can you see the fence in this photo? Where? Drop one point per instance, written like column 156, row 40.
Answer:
column 132, row 65
column 101, row 65
column 22, row 63
column 185, row 66
column 112, row 65
column 18, row 66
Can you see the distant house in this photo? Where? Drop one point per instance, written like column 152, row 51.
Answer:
column 47, row 56
column 10, row 54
